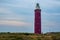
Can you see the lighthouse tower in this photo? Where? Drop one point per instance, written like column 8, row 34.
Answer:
column 37, row 23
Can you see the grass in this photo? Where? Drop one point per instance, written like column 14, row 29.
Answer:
column 29, row 36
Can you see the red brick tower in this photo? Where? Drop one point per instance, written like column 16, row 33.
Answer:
column 37, row 23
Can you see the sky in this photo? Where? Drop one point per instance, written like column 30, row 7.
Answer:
column 18, row 15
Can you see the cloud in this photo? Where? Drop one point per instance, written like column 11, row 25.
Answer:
column 50, row 19
column 49, row 3
column 50, row 14
column 7, row 14
column 14, row 23
column 50, row 24
column 57, row 0
column 8, row 17
column 20, row 13
column 17, row 3
column 50, row 6
column 5, row 10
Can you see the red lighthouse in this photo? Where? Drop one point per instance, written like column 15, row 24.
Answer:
column 37, row 23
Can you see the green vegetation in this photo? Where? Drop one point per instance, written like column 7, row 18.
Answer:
column 29, row 36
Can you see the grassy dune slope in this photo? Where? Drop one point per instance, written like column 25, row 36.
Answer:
column 29, row 36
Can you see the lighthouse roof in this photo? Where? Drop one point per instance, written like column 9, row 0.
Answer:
column 37, row 6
